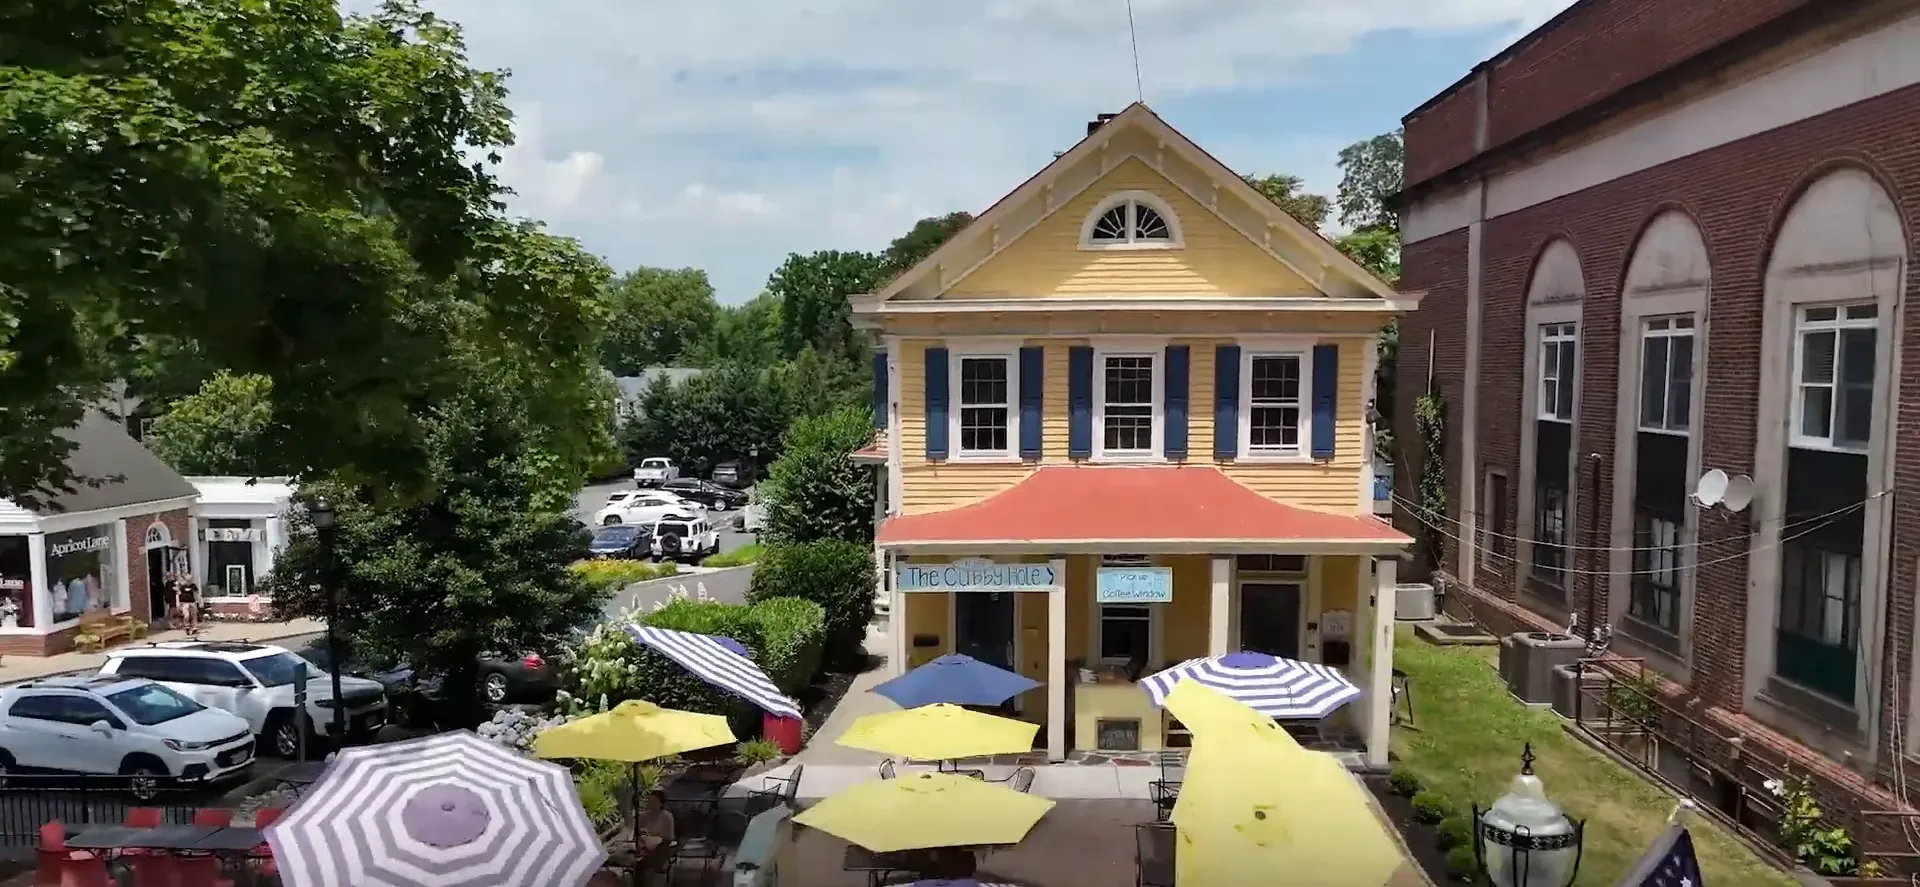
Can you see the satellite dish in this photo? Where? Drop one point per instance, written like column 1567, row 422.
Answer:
column 1711, row 488
column 1739, row 493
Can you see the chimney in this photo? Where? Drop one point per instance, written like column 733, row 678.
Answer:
column 1098, row 121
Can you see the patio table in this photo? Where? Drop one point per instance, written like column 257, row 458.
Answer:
column 878, row 866
column 232, row 839
column 166, row 837
column 301, row 773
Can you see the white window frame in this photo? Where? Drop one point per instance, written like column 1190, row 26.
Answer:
column 1174, row 239
column 1669, row 327
column 956, row 407
column 1155, row 352
column 1554, row 335
column 1156, row 616
column 1300, row 351
column 1796, row 409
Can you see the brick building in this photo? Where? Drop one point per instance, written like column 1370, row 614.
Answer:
column 1660, row 238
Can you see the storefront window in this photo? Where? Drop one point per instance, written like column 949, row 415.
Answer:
column 230, row 557
column 16, row 570
column 81, row 573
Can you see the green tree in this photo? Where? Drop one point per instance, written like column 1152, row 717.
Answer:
column 920, row 241
column 480, row 565
column 814, row 491
column 733, row 412
column 1284, row 191
column 748, row 333
column 813, row 292
column 283, row 189
column 226, row 428
column 1371, row 172
column 1376, row 249
column 657, row 315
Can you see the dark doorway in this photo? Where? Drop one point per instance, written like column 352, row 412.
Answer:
column 1270, row 618
column 159, row 561
column 983, row 626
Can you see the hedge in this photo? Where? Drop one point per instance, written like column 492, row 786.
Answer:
column 792, row 634
column 618, row 574
column 835, row 574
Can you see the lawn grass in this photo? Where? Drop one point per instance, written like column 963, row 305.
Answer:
column 1467, row 749
column 741, row 556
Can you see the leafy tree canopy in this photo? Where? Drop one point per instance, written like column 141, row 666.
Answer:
column 1284, row 190
column 920, row 241
column 1376, row 249
column 272, row 188
column 748, row 333
column 1371, row 173
column 732, row 412
column 223, row 429
column 813, row 291
column 657, row 315
column 814, row 491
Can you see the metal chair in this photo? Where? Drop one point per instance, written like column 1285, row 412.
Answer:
column 1153, row 855
column 1164, row 794
column 1400, row 691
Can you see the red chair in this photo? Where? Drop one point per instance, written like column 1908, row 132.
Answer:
column 267, row 816
column 213, row 816
column 144, row 817
column 197, row 871
column 55, row 859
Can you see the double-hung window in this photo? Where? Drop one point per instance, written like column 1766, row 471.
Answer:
column 1819, row 636
column 1129, row 405
column 985, row 415
column 1558, row 342
column 1833, row 376
column 1666, row 374
column 1274, row 402
column 1656, row 573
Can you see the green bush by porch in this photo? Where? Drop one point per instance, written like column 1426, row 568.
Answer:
column 1467, row 748
column 835, row 574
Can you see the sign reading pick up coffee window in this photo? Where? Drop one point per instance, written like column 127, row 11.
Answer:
column 1133, row 585
column 975, row 574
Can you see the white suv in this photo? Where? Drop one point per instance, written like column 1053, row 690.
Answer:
column 681, row 538
column 644, row 508
column 256, row 682
column 119, row 726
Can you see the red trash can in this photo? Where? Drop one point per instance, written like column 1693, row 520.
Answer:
column 782, row 732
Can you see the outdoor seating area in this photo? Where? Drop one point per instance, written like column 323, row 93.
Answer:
column 144, row 850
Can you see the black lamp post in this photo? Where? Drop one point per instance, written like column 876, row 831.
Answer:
column 1525, row 840
column 321, row 513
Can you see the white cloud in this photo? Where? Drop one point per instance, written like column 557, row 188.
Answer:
column 725, row 135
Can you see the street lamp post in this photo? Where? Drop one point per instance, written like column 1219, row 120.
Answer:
column 321, row 513
column 1525, row 840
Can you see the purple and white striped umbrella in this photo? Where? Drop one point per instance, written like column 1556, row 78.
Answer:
column 451, row 810
column 719, row 661
column 1275, row 687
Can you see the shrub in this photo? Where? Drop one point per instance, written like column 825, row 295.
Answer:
column 1453, row 832
column 792, row 632
column 1403, row 782
column 613, row 574
column 745, row 554
column 1429, row 808
column 814, row 491
column 757, row 751
column 1461, row 864
column 606, row 789
column 836, row 575
column 610, row 667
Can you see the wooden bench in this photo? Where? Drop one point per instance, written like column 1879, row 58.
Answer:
column 110, row 627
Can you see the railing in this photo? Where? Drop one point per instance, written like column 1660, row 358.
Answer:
column 29, row 802
column 1618, row 708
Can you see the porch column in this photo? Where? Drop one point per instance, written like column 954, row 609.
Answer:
column 896, row 616
column 1057, row 663
column 1379, row 699
column 1220, row 609
column 196, row 558
column 40, row 597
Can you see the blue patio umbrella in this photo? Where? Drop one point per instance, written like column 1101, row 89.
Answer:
column 956, row 679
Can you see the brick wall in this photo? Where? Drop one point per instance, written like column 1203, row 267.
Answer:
column 1436, row 333
column 1737, row 194
column 138, row 592
column 1598, row 49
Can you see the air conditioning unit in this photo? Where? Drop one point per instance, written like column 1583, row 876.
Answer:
column 1413, row 601
column 1577, row 691
column 1528, row 667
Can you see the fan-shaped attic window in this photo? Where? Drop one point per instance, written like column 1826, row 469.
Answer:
column 1132, row 220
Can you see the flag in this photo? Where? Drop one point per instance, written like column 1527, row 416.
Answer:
column 1668, row 863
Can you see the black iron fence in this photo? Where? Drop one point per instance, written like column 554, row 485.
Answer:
column 76, row 802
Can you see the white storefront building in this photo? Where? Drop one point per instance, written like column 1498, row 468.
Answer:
column 238, row 527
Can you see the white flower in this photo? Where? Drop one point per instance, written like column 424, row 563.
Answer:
column 1776, row 787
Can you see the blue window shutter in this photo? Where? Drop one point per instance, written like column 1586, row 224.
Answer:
column 1176, row 402
column 1226, row 401
column 880, row 389
column 936, row 403
column 1326, row 381
column 1080, row 402
column 1033, row 378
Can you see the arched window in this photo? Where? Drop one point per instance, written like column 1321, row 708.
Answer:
column 1130, row 220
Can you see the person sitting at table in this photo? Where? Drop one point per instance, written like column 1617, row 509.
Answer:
column 656, row 823
column 633, row 847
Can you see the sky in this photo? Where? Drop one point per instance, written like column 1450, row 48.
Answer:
column 726, row 134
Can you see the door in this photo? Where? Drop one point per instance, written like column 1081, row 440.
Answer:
column 38, row 735
column 983, row 626
column 93, row 751
column 158, row 597
column 1270, row 618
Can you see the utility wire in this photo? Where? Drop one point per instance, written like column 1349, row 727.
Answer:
column 1677, row 546
column 1133, row 37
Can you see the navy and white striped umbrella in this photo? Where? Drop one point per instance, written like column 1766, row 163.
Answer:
column 719, row 661
column 451, row 810
column 1275, row 687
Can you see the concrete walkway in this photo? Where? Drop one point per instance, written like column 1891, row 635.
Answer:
column 25, row 668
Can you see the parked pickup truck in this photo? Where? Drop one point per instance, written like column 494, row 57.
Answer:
column 654, row 471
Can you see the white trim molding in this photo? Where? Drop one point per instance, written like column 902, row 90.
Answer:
column 1154, row 351
column 1301, row 353
column 1008, row 352
column 1555, row 295
column 1132, row 200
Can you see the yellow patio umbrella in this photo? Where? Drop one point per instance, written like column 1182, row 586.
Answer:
column 633, row 731
column 919, row 811
column 1254, row 802
column 939, row 732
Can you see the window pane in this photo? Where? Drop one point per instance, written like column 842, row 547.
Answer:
column 1566, row 371
column 1112, row 227
column 1653, row 381
column 983, row 429
column 983, row 380
column 1857, row 357
column 1124, row 638
column 1816, row 358
column 1148, row 225
column 1274, row 427
column 1563, row 405
column 1816, row 411
column 1855, row 427
column 1129, row 380
column 1680, row 384
column 1129, row 428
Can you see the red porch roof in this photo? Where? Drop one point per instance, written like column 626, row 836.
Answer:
column 1136, row 509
